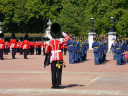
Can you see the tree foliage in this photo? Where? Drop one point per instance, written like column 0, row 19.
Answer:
column 73, row 15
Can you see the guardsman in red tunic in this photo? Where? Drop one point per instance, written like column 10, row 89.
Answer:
column 44, row 46
column 39, row 48
column 7, row 47
column 19, row 47
column 2, row 46
column 33, row 47
column 13, row 46
column 56, row 58
column 25, row 46
column 30, row 44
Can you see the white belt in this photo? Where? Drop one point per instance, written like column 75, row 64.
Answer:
column 56, row 51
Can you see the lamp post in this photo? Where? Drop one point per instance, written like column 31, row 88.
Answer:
column 112, row 19
column 92, row 21
column 91, row 34
column 111, row 34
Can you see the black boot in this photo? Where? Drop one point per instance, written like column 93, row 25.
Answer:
column 53, row 87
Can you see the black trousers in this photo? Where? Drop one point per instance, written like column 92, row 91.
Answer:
column 6, row 51
column 21, row 51
column 43, row 51
column 13, row 53
column 25, row 53
column 56, row 74
column 32, row 51
column 39, row 51
column 65, row 49
column 1, row 54
column 28, row 51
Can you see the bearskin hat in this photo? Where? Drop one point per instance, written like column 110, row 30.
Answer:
column 26, row 36
column 13, row 36
column 1, row 35
column 55, row 30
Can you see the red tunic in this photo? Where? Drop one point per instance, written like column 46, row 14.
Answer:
column 39, row 44
column 2, row 43
column 7, row 44
column 55, row 46
column 62, row 45
column 44, row 45
column 25, row 44
column 36, row 44
column 13, row 43
column 126, row 54
column 19, row 45
column 33, row 44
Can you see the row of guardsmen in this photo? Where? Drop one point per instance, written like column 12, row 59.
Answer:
column 100, row 47
column 119, row 49
column 23, row 47
column 77, row 48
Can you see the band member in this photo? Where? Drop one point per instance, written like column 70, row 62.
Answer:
column 13, row 46
column 25, row 46
column 2, row 46
column 71, row 49
column 95, row 46
column 56, row 58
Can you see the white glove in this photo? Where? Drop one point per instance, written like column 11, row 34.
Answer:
column 47, row 42
column 64, row 34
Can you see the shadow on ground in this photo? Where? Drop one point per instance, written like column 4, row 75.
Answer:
column 71, row 85
column 106, row 61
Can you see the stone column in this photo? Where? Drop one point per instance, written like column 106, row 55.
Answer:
column 91, row 35
column 111, row 37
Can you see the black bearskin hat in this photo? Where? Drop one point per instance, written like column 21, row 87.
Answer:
column 6, row 39
column 26, row 36
column 55, row 30
column 13, row 36
column 21, row 38
column 1, row 35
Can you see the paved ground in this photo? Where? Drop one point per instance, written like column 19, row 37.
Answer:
column 21, row 77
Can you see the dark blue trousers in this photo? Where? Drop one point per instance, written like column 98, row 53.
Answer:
column 96, row 58
column 118, row 58
column 71, row 57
